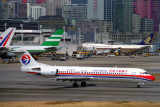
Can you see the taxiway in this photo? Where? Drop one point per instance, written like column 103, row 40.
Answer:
column 19, row 86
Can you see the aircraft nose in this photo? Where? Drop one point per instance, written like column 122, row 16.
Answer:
column 152, row 78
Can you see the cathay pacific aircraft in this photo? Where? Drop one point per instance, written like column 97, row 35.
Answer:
column 83, row 74
column 51, row 44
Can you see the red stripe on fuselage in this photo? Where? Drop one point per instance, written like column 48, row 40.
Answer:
column 32, row 72
column 149, row 77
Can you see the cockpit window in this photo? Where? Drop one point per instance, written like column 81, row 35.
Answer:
column 144, row 73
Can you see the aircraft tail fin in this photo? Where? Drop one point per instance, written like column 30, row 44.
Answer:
column 54, row 39
column 25, row 58
column 148, row 40
column 6, row 37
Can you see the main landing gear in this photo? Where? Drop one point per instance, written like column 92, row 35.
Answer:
column 83, row 84
column 139, row 84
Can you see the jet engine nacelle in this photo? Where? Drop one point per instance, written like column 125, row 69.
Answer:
column 49, row 72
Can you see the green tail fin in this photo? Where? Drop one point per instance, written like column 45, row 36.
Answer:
column 54, row 39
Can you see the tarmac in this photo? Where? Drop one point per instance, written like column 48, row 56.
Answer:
column 19, row 86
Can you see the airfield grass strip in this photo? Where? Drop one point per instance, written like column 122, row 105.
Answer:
column 82, row 104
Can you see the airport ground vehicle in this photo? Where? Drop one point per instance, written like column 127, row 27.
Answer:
column 80, row 56
column 60, row 56
column 86, row 54
column 111, row 55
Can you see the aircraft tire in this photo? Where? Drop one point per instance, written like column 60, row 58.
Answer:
column 138, row 86
column 75, row 85
column 83, row 84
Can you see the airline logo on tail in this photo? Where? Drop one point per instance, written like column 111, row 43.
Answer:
column 6, row 37
column 148, row 40
column 54, row 39
column 25, row 59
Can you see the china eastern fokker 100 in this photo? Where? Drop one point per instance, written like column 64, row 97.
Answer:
column 83, row 74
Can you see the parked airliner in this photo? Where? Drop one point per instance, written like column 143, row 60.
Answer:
column 144, row 44
column 83, row 74
column 6, row 37
column 51, row 44
column 5, row 40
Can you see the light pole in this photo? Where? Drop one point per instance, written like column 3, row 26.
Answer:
column 95, row 35
column 79, row 29
column 21, row 32
column 5, row 25
column 117, row 36
column 64, row 35
column 41, row 36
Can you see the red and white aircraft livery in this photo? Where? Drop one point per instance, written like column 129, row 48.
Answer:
column 83, row 74
column 6, row 37
column 5, row 40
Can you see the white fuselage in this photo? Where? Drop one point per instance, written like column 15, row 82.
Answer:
column 93, row 73
column 122, row 47
column 31, row 47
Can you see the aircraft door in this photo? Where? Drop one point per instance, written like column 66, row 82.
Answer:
column 56, row 72
column 133, row 75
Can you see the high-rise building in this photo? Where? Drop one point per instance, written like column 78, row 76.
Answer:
column 8, row 10
column 21, row 10
column 52, row 5
column 136, row 23
column 147, row 25
column 78, row 1
column 149, row 9
column 0, row 9
column 143, row 8
column 95, row 9
column 156, row 14
column 119, row 16
column 37, row 11
column 127, row 15
column 75, row 11
column 118, row 12
column 50, row 22
column 28, row 10
column 109, row 11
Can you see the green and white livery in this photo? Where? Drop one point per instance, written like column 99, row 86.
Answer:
column 51, row 44
column 54, row 39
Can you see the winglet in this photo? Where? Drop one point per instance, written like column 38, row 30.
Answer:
column 148, row 40
column 54, row 39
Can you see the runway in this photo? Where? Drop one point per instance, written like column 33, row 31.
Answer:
column 19, row 86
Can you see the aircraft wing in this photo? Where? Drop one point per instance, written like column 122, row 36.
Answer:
column 71, row 78
column 4, row 48
column 145, row 47
column 52, row 48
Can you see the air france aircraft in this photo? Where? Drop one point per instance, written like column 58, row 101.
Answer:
column 144, row 44
column 6, row 37
column 5, row 40
column 83, row 74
